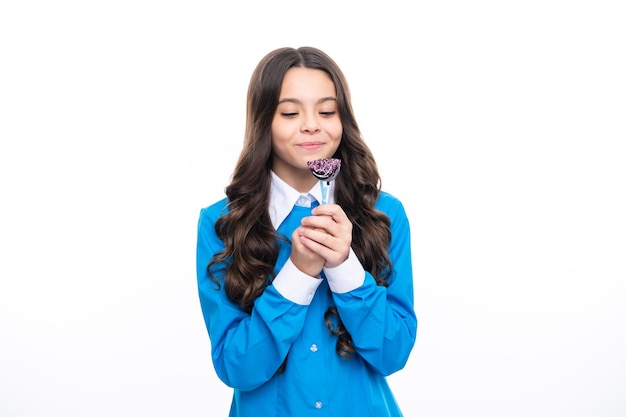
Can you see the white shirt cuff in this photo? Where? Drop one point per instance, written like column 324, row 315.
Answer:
column 346, row 277
column 295, row 285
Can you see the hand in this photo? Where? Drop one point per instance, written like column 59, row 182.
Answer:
column 327, row 233
column 304, row 258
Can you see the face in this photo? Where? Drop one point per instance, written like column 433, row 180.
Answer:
column 306, row 125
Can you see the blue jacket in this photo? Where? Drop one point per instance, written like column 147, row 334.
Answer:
column 247, row 349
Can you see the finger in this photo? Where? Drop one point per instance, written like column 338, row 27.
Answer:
column 315, row 246
column 331, row 255
column 334, row 211
column 342, row 232
column 319, row 222
column 316, row 234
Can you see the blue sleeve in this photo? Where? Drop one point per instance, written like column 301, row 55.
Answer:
column 381, row 320
column 239, row 339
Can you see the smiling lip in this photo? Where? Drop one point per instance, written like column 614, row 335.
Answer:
column 311, row 146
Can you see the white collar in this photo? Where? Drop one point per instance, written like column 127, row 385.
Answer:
column 283, row 197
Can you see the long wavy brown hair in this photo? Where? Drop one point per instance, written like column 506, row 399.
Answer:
column 250, row 241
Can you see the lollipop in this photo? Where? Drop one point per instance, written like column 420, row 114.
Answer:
column 325, row 170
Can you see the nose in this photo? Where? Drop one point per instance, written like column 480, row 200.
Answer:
column 310, row 123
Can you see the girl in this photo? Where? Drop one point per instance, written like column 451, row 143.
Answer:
column 308, row 306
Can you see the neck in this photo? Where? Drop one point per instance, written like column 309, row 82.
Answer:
column 301, row 183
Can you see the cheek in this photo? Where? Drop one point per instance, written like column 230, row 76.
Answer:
column 337, row 131
column 276, row 131
column 281, row 129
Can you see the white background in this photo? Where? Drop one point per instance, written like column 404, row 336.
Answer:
column 500, row 125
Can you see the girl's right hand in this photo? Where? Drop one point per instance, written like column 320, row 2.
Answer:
column 304, row 258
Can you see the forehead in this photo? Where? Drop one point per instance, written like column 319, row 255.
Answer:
column 300, row 83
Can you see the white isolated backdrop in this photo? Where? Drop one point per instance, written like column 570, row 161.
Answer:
column 500, row 125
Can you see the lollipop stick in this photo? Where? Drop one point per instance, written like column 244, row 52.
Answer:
column 324, row 185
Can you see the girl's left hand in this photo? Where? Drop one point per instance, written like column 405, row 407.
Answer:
column 328, row 233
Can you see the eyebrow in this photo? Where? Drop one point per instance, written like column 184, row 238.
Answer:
column 296, row 101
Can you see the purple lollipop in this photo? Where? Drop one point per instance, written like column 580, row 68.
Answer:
column 325, row 170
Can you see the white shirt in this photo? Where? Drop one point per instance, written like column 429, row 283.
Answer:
column 290, row 282
column 283, row 197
